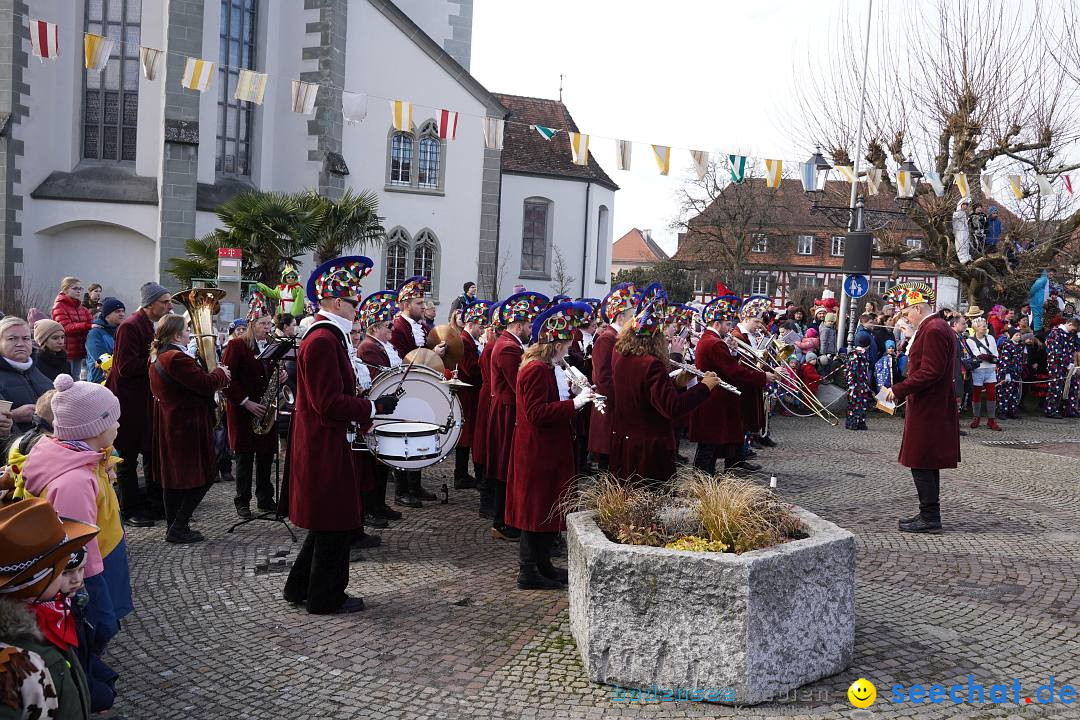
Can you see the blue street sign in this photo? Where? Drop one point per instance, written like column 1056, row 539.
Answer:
column 855, row 286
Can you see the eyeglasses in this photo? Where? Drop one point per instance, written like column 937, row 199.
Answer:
column 354, row 303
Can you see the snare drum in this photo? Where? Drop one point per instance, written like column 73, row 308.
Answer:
column 397, row 442
column 417, row 435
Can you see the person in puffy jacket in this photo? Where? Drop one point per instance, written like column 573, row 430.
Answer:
column 69, row 311
column 102, row 337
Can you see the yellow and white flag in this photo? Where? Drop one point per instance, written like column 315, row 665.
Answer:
column 773, row 169
column 579, row 146
column 97, row 50
column 493, row 133
column 197, row 74
column 150, row 58
column 847, row 172
column 1045, row 188
column 401, row 110
column 662, row 153
column 1015, row 184
column 250, row 86
column 622, row 154
column 986, row 183
column 701, row 162
column 873, row 180
column 303, row 96
column 960, row 180
column 905, row 188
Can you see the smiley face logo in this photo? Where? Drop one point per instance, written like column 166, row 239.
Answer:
column 862, row 693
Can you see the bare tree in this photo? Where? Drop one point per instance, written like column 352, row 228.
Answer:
column 562, row 280
column 965, row 88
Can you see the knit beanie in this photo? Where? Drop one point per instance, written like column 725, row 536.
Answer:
column 830, row 317
column 34, row 315
column 43, row 330
column 150, row 292
column 82, row 409
column 110, row 305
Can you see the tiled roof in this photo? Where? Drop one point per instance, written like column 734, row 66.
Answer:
column 526, row 151
column 634, row 246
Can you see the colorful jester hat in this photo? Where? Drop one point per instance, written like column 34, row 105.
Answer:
column 622, row 297
column 378, row 307
column 412, row 288
column 338, row 278
column 652, row 312
column 560, row 298
column 721, row 309
column 258, row 306
column 478, row 312
column 523, row 307
column 907, row 294
column 755, row 307
column 682, row 315
column 557, row 323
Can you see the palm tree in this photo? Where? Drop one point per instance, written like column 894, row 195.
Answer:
column 345, row 224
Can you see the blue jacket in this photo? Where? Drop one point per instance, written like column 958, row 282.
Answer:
column 1037, row 298
column 100, row 340
column 993, row 230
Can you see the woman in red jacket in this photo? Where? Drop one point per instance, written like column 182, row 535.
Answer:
column 69, row 311
column 542, row 466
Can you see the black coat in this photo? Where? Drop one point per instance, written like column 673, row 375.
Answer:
column 22, row 388
column 51, row 364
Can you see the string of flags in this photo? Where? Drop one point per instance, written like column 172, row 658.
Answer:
column 251, row 87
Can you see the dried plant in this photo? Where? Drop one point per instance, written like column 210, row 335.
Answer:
column 623, row 509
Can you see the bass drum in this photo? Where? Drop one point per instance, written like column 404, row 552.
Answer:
column 426, row 400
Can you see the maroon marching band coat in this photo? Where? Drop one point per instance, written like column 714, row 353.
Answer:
column 183, row 421
column 130, row 382
column 753, row 401
column 600, row 424
column 401, row 336
column 505, row 360
column 643, row 429
column 542, row 467
column 482, row 431
column 373, row 354
column 325, row 492
column 719, row 420
column 249, row 380
column 931, row 438
column 469, row 371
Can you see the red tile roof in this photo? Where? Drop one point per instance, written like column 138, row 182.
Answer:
column 635, row 247
column 526, row 151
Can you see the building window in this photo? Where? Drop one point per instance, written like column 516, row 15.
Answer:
column 111, row 97
column 805, row 245
column 236, row 52
column 761, row 243
column 838, row 246
column 398, row 249
column 914, row 243
column 806, row 281
column 535, row 236
column 881, row 286
column 407, row 255
column 417, row 159
column 603, row 240
column 759, row 284
column 428, row 171
column 426, row 258
column 875, row 245
column 401, row 158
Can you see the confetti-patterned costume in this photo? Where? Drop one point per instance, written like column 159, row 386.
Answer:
column 1010, row 370
column 860, row 382
column 1060, row 346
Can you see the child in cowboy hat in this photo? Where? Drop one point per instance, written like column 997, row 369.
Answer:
column 38, row 666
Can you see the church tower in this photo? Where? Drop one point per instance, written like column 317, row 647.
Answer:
column 447, row 22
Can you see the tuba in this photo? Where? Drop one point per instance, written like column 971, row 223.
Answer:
column 201, row 305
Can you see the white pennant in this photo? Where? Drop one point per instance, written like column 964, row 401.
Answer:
column 303, row 96
column 701, row 162
column 354, row 107
column 622, row 154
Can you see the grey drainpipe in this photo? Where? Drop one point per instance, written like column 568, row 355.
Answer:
column 585, row 242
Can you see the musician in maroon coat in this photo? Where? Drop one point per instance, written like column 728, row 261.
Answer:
column 130, row 382
column 542, row 466
column 580, row 357
column 482, row 431
column 473, row 319
column 183, row 425
column 254, row 452
column 617, row 310
column 325, row 494
column 518, row 312
column 751, row 330
column 931, row 439
column 649, row 401
column 717, row 424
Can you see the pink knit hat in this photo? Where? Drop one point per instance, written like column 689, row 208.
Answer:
column 82, row 409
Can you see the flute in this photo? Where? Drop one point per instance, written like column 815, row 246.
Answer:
column 578, row 380
column 700, row 374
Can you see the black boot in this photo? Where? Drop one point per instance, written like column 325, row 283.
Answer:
column 529, row 578
column 417, row 488
column 462, row 479
column 403, row 492
column 544, row 548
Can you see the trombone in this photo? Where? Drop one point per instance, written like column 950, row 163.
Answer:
column 778, row 353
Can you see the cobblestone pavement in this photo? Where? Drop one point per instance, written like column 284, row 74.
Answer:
column 447, row 635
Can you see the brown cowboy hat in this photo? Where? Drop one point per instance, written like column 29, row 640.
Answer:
column 974, row 312
column 36, row 545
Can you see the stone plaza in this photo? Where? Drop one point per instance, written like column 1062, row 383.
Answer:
column 446, row 634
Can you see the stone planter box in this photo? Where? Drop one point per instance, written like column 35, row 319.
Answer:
column 748, row 627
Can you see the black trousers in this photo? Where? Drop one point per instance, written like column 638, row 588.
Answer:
column 375, row 498
column 705, row 458
column 461, row 462
column 928, row 485
column 534, row 548
column 321, row 571
column 180, row 504
column 263, row 465
column 132, row 501
column 601, row 461
column 499, row 492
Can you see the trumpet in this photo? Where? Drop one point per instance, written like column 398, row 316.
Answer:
column 700, row 374
column 578, row 380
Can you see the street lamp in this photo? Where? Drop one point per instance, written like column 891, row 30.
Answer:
column 909, row 167
column 821, row 175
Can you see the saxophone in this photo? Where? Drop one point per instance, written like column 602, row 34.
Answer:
column 276, row 396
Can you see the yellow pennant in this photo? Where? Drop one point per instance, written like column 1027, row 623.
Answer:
column 847, row 172
column 251, row 86
column 197, row 74
column 960, row 180
column 97, row 50
column 579, row 146
column 663, row 158
column 1016, row 187
column 773, row 168
column 402, row 112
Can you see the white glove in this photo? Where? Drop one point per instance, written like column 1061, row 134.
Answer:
column 583, row 398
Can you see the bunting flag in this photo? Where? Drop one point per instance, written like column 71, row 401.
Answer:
column 773, row 170
column 303, row 97
column 545, row 132
column 935, row 182
column 700, row 158
column 96, row 51
column 493, row 133
column 905, row 188
column 1068, row 183
column 447, row 122
column 44, row 40
column 873, row 180
column 847, row 172
column 354, row 107
column 1044, row 185
column 251, row 86
column 579, row 146
column 1016, row 187
column 622, row 154
column 986, row 183
column 808, row 174
column 401, row 110
column 663, row 157
column 197, row 74
column 149, row 58
column 738, row 167
column 960, row 180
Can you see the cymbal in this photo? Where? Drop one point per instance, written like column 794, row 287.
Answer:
column 455, row 346
column 427, row 358
column 455, row 383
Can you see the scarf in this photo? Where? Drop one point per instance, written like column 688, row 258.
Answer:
column 21, row 366
column 56, row 622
